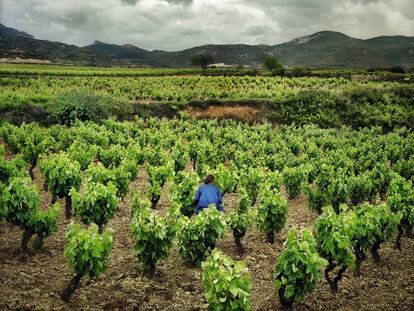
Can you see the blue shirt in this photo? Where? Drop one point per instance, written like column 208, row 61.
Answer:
column 207, row 194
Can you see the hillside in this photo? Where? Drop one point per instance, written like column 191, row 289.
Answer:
column 14, row 43
column 326, row 49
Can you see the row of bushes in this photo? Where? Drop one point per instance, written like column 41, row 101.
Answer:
column 67, row 108
column 389, row 108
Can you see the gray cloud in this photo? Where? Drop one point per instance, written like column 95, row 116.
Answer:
column 129, row 2
column 177, row 2
column 191, row 32
column 179, row 24
column 183, row 2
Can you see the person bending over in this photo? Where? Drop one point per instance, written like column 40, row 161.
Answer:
column 207, row 194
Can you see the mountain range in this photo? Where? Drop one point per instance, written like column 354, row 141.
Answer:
column 325, row 49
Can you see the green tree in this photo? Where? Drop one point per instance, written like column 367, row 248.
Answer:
column 273, row 65
column 202, row 60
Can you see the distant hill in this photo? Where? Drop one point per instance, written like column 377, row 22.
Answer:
column 325, row 49
column 13, row 32
column 14, row 43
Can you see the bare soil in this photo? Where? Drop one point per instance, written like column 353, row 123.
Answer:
column 34, row 281
column 243, row 113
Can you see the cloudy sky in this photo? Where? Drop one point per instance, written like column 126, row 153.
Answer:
column 179, row 24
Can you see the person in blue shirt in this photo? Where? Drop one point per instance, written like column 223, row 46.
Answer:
column 207, row 194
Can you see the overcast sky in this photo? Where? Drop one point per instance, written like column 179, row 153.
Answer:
column 179, row 24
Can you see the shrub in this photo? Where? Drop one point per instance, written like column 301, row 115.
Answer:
column 360, row 188
column 227, row 284
column 83, row 153
column 273, row 65
column 44, row 224
column 299, row 267
column 20, row 206
column 334, row 244
column 293, row 178
column 87, row 253
column 119, row 176
column 272, row 213
column 224, row 179
column 241, row 220
column 365, row 107
column 307, row 107
column 400, row 198
column 200, row 235
column 97, row 204
column 153, row 235
column 61, row 174
column 396, row 69
column 158, row 176
column 251, row 179
column 180, row 156
column 11, row 168
column 368, row 227
column 29, row 140
column 182, row 191
column 379, row 225
column 68, row 107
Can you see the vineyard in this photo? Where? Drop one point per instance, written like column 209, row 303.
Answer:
column 106, row 217
column 175, row 89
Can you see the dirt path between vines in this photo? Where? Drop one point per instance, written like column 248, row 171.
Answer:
column 34, row 282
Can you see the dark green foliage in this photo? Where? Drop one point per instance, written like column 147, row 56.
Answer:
column 273, row 65
column 202, row 60
column 307, row 107
column 294, row 179
column 388, row 108
column 359, row 107
column 360, row 188
column 68, row 107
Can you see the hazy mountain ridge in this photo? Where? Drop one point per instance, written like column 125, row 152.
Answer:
column 325, row 49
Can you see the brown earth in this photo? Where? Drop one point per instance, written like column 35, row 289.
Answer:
column 34, row 281
column 239, row 112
